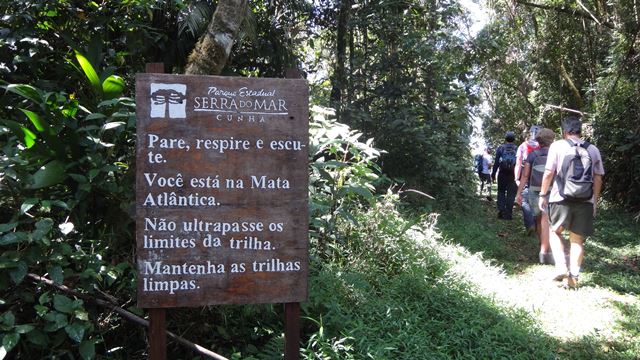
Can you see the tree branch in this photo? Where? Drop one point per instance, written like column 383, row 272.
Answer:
column 125, row 314
column 578, row 13
column 561, row 108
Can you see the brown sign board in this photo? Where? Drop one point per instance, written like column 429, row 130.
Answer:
column 221, row 190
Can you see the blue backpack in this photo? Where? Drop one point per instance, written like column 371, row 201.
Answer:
column 508, row 157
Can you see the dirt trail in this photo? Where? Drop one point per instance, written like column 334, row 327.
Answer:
column 561, row 313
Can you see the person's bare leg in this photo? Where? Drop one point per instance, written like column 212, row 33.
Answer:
column 543, row 224
column 576, row 253
column 557, row 248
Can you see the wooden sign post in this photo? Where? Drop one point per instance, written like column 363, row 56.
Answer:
column 221, row 190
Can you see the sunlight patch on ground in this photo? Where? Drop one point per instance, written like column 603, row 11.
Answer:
column 561, row 313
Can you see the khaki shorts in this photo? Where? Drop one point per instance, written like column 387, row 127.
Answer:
column 576, row 217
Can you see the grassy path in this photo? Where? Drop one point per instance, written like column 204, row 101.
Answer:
column 600, row 320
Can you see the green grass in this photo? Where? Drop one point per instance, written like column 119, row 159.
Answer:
column 413, row 316
column 405, row 303
column 388, row 294
column 611, row 262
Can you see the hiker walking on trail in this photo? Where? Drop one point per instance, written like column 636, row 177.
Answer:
column 575, row 168
column 484, row 171
column 504, row 164
column 531, row 180
column 526, row 148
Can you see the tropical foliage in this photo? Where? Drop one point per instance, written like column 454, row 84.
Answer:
column 401, row 77
column 540, row 61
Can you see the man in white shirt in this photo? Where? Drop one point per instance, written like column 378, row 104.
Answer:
column 565, row 212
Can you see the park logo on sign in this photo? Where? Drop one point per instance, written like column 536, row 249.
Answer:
column 168, row 97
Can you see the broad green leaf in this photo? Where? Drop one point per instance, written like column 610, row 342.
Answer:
column 89, row 72
column 28, row 204
column 8, row 227
column 37, row 337
column 9, row 319
column 45, row 224
column 26, row 91
column 93, row 173
column 56, row 321
column 29, row 137
column 95, row 116
column 87, row 349
column 107, row 103
column 64, row 304
column 79, row 178
column 56, row 274
column 38, row 235
column 26, row 135
column 18, row 274
column 44, row 298
column 35, row 119
column 59, row 203
column 24, row 329
column 48, row 175
column 10, row 238
column 75, row 331
column 113, row 86
column 362, row 191
column 82, row 315
column 9, row 341
column 41, row 310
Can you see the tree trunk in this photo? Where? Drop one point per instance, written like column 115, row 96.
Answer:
column 339, row 76
column 214, row 47
column 572, row 87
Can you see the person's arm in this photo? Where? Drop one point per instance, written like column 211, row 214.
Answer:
column 495, row 163
column 597, row 187
column 518, row 168
column 545, row 188
column 521, row 185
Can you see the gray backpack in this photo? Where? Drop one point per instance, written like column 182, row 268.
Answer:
column 537, row 168
column 575, row 178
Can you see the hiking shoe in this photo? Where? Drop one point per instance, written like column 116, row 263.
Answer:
column 572, row 282
column 560, row 276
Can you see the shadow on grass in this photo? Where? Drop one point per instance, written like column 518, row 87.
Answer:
column 612, row 259
column 413, row 316
column 432, row 315
column 503, row 242
column 613, row 252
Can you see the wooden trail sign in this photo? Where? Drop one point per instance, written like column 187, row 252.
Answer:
column 221, row 190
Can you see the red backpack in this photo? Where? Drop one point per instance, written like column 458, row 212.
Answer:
column 528, row 149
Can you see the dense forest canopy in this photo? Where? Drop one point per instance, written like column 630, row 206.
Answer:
column 540, row 61
column 405, row 73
